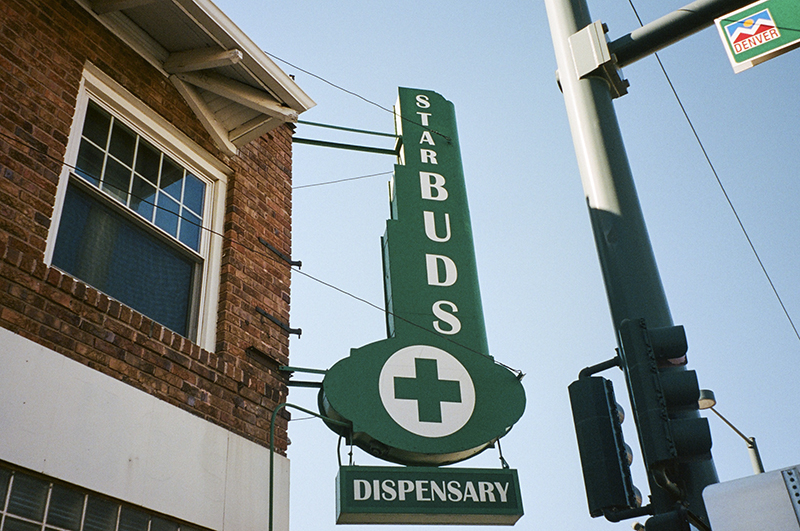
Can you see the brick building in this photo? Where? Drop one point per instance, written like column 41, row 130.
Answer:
column 145, row 203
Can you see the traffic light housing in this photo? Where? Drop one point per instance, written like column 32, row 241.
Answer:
column 605, row 458
column 663, row 395
column 675, row 520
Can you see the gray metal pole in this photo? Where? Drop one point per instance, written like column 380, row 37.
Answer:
column 755, row 457
column 633, row 285
column 632, row 281
column 752, row 447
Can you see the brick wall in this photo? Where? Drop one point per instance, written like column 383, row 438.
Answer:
column 43, row 48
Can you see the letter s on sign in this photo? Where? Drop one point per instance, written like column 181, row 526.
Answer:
column 422, row 101
column 454, row 491
column 389, row 494
column 449, row 318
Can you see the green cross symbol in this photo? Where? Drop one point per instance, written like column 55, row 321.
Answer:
column 427, row 389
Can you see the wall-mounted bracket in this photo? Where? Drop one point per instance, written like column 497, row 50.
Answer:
column 592, row 58
column 285, row 327
column 287, row 259
column 301, row 383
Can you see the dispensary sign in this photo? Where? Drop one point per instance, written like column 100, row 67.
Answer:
column 759, row 32
column 429, row 394
column 417, row 495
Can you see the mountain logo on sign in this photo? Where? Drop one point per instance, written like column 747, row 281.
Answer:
column 752, row 31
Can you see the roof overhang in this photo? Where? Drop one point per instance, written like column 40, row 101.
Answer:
column 233, row 87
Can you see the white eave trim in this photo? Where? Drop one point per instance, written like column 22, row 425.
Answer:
column 254, row 57
column 270, row 91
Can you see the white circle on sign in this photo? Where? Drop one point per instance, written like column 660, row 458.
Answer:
column 427, row 391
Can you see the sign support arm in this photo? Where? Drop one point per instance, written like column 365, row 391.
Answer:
column 670, row 28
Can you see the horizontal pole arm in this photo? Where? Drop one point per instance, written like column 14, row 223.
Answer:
column 339, row 145
column 670, row 28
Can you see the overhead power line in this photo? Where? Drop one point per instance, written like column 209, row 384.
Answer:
column 342, row 180
column 271, row 255
column 355, row 94
column 721, row 186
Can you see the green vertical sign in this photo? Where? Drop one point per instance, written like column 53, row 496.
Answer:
column 429, row 257
column 429, row 393
column 759, row 32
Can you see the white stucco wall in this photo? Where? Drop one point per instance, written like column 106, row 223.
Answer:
column 70, row 422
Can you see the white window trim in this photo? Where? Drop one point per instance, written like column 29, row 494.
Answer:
column 107, row 92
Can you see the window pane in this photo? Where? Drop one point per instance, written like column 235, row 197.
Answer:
column 123, row 143
column 101, row 515
column 171, row 178
column 28, row 497
column 5, row 475
column 157, row 524
column 143, row 198
column 111, row 253
column 194, row 194
column 132, row 520
column 190, row 230
column 148, row 159
column 90, row 163
column 117, row 180
column 66, row 507
column 12, row 524
column 95, row 126
column 79, row 251
column 167, row 214
column 154, row 278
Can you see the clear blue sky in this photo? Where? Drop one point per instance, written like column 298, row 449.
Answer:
column 543, row 294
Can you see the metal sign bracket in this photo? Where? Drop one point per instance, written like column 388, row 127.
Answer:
column 592, row 58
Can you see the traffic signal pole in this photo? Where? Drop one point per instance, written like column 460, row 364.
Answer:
column 629, row 268
column 589, row 77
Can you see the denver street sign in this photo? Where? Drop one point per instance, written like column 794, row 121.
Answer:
column 759, row 32
column 425, row 495
column 429, row 394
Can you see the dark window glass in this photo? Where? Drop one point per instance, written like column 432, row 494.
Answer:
column 148, row 158
column 66, row 508
column 5, row 475
column 194, row 194
column 95, row 126
column 157, row 524
column 12, row 524
column 116, row 180
column 101, row 515
column 111, row 253
column 123, row 143
column 171, row 178
column 143, row 198
column 28, row 497
column 90, row 163
column 132, row 520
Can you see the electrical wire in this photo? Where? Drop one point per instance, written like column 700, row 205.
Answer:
column 721, row 186
column 350, row 92
column 334, row 85
column 341, row 180
column 274, row 257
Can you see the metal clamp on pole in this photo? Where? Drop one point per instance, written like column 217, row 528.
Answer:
column 592, row 58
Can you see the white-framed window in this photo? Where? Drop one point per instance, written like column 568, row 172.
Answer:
column 139, row 211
